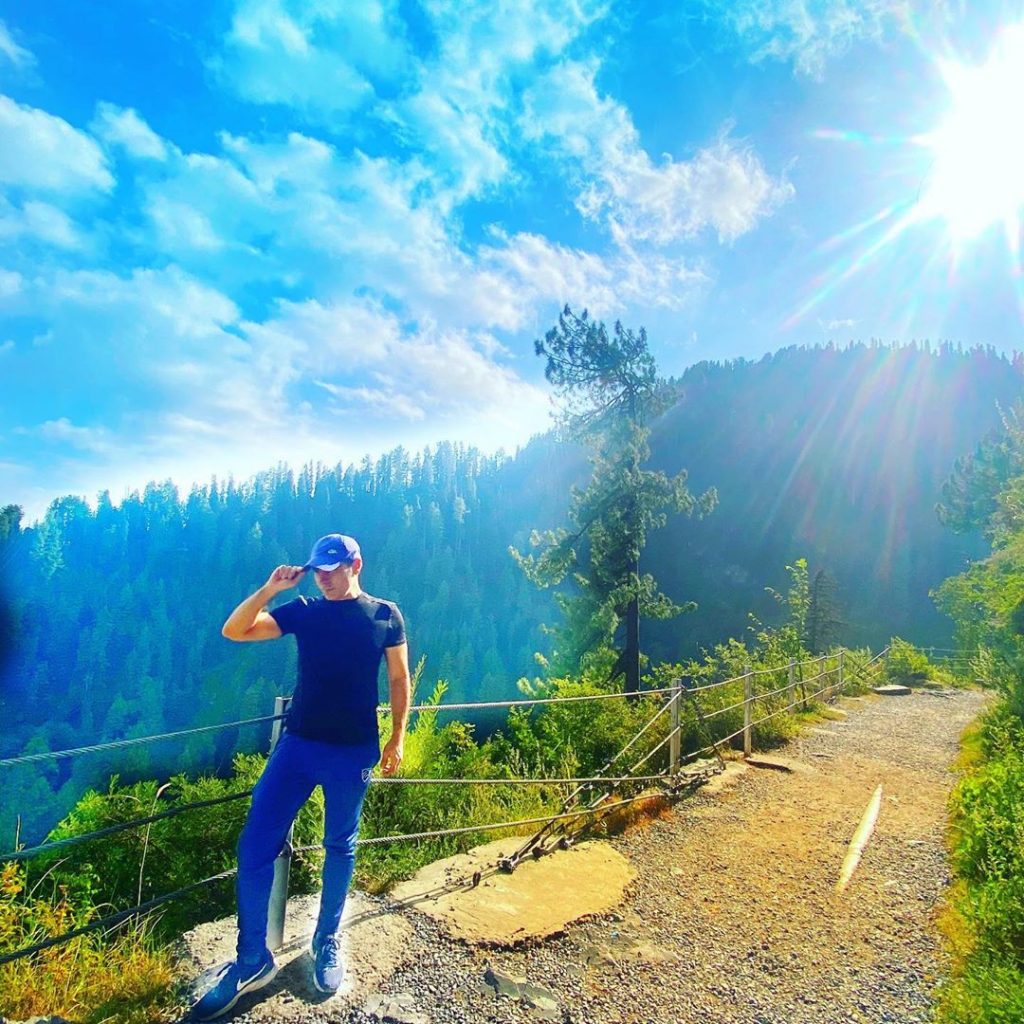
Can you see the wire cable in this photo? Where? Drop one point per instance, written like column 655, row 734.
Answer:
column 122, row 826
column 96, row 748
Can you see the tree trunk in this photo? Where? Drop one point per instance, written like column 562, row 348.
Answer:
column 632, row 652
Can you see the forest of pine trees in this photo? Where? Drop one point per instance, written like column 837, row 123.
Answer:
column 111, row 612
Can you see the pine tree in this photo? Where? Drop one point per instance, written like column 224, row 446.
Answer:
column 610, row 391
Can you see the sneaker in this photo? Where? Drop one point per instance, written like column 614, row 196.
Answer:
column 328, row 965
column 232, row 982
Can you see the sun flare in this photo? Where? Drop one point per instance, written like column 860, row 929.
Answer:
column 977, row 177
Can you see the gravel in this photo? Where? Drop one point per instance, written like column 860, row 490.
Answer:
column 733, row 917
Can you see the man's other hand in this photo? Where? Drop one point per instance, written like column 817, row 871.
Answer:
column 391, row 757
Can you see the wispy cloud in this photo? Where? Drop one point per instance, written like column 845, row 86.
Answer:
column 10, row 283
column 46, row 153
column 39, row 221
column 62, row 431
column 12, row 52
column 807, row 33
column 125, row 129
column 725, row 187
column 317, row 58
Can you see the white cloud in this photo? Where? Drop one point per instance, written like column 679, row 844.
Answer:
column 10, row 50
column 460, row 114
column 838, row 325
column 724, row 188
column 10, row 283
column 808, row 33
column 63, row 431
column 318, row 58
column 169, row 300
column 40, row 221
column 44, row 152
column 355, row 351
column 6, row 346
column 122, row 127
column 375, row 400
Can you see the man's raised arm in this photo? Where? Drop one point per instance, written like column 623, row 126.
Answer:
column 250, row 620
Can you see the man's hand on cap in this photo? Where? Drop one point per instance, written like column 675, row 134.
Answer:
column 284, row 577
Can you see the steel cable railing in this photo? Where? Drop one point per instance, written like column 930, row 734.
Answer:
column 566, row 814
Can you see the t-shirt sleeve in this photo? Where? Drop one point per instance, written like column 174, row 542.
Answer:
column 289, row 615
column 396, row 629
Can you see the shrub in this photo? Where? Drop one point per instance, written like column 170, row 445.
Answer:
column 906, row 664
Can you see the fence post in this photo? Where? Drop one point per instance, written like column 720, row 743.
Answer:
column 283, row 863
column 791, row 692
column 674, row 726
column 748, row 692
column 842, row 651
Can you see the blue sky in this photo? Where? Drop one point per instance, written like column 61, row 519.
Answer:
column 238, row 233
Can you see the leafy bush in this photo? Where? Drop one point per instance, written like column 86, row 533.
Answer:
column 989, row 847
column 906, row 664
column 130, row 867
column 988, row 854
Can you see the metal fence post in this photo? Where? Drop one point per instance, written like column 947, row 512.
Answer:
column 674, row 726
column 748, row 692
column 283, row 863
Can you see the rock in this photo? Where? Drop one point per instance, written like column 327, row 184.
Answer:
column 538, row 998
column 539, row 899
column 400, row 1008
column 502, row 984
column 892, row 690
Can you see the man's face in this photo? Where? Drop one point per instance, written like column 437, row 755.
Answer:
column 337, row 580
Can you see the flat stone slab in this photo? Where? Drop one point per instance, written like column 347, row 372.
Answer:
column 891, row 690
column 538, row 899
column 375, row 943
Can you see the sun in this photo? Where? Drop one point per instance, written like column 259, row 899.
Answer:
column 977, row 175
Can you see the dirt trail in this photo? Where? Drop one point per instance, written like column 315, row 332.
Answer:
column 733, row 917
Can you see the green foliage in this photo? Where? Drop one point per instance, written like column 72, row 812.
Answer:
column 986, row 991
column 987, row 604
column 988, row 855
column 130, row 867
column 974, row 497
column 907, row 665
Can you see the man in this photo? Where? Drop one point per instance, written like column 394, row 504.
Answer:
column 330, row 739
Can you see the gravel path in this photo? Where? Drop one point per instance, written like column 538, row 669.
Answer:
column 733, row 918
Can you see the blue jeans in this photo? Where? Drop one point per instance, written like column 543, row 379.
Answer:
column 293, row 770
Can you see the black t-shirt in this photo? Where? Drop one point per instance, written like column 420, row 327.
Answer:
column 341, row 644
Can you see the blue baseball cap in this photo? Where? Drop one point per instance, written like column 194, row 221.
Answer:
column 331, row 551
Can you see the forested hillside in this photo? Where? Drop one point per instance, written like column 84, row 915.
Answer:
column 111, row 614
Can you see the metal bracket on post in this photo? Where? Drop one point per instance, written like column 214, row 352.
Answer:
column 748, row 692
column 283, row 863
column 674, row 748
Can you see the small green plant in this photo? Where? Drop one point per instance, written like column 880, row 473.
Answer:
column 907, row 665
